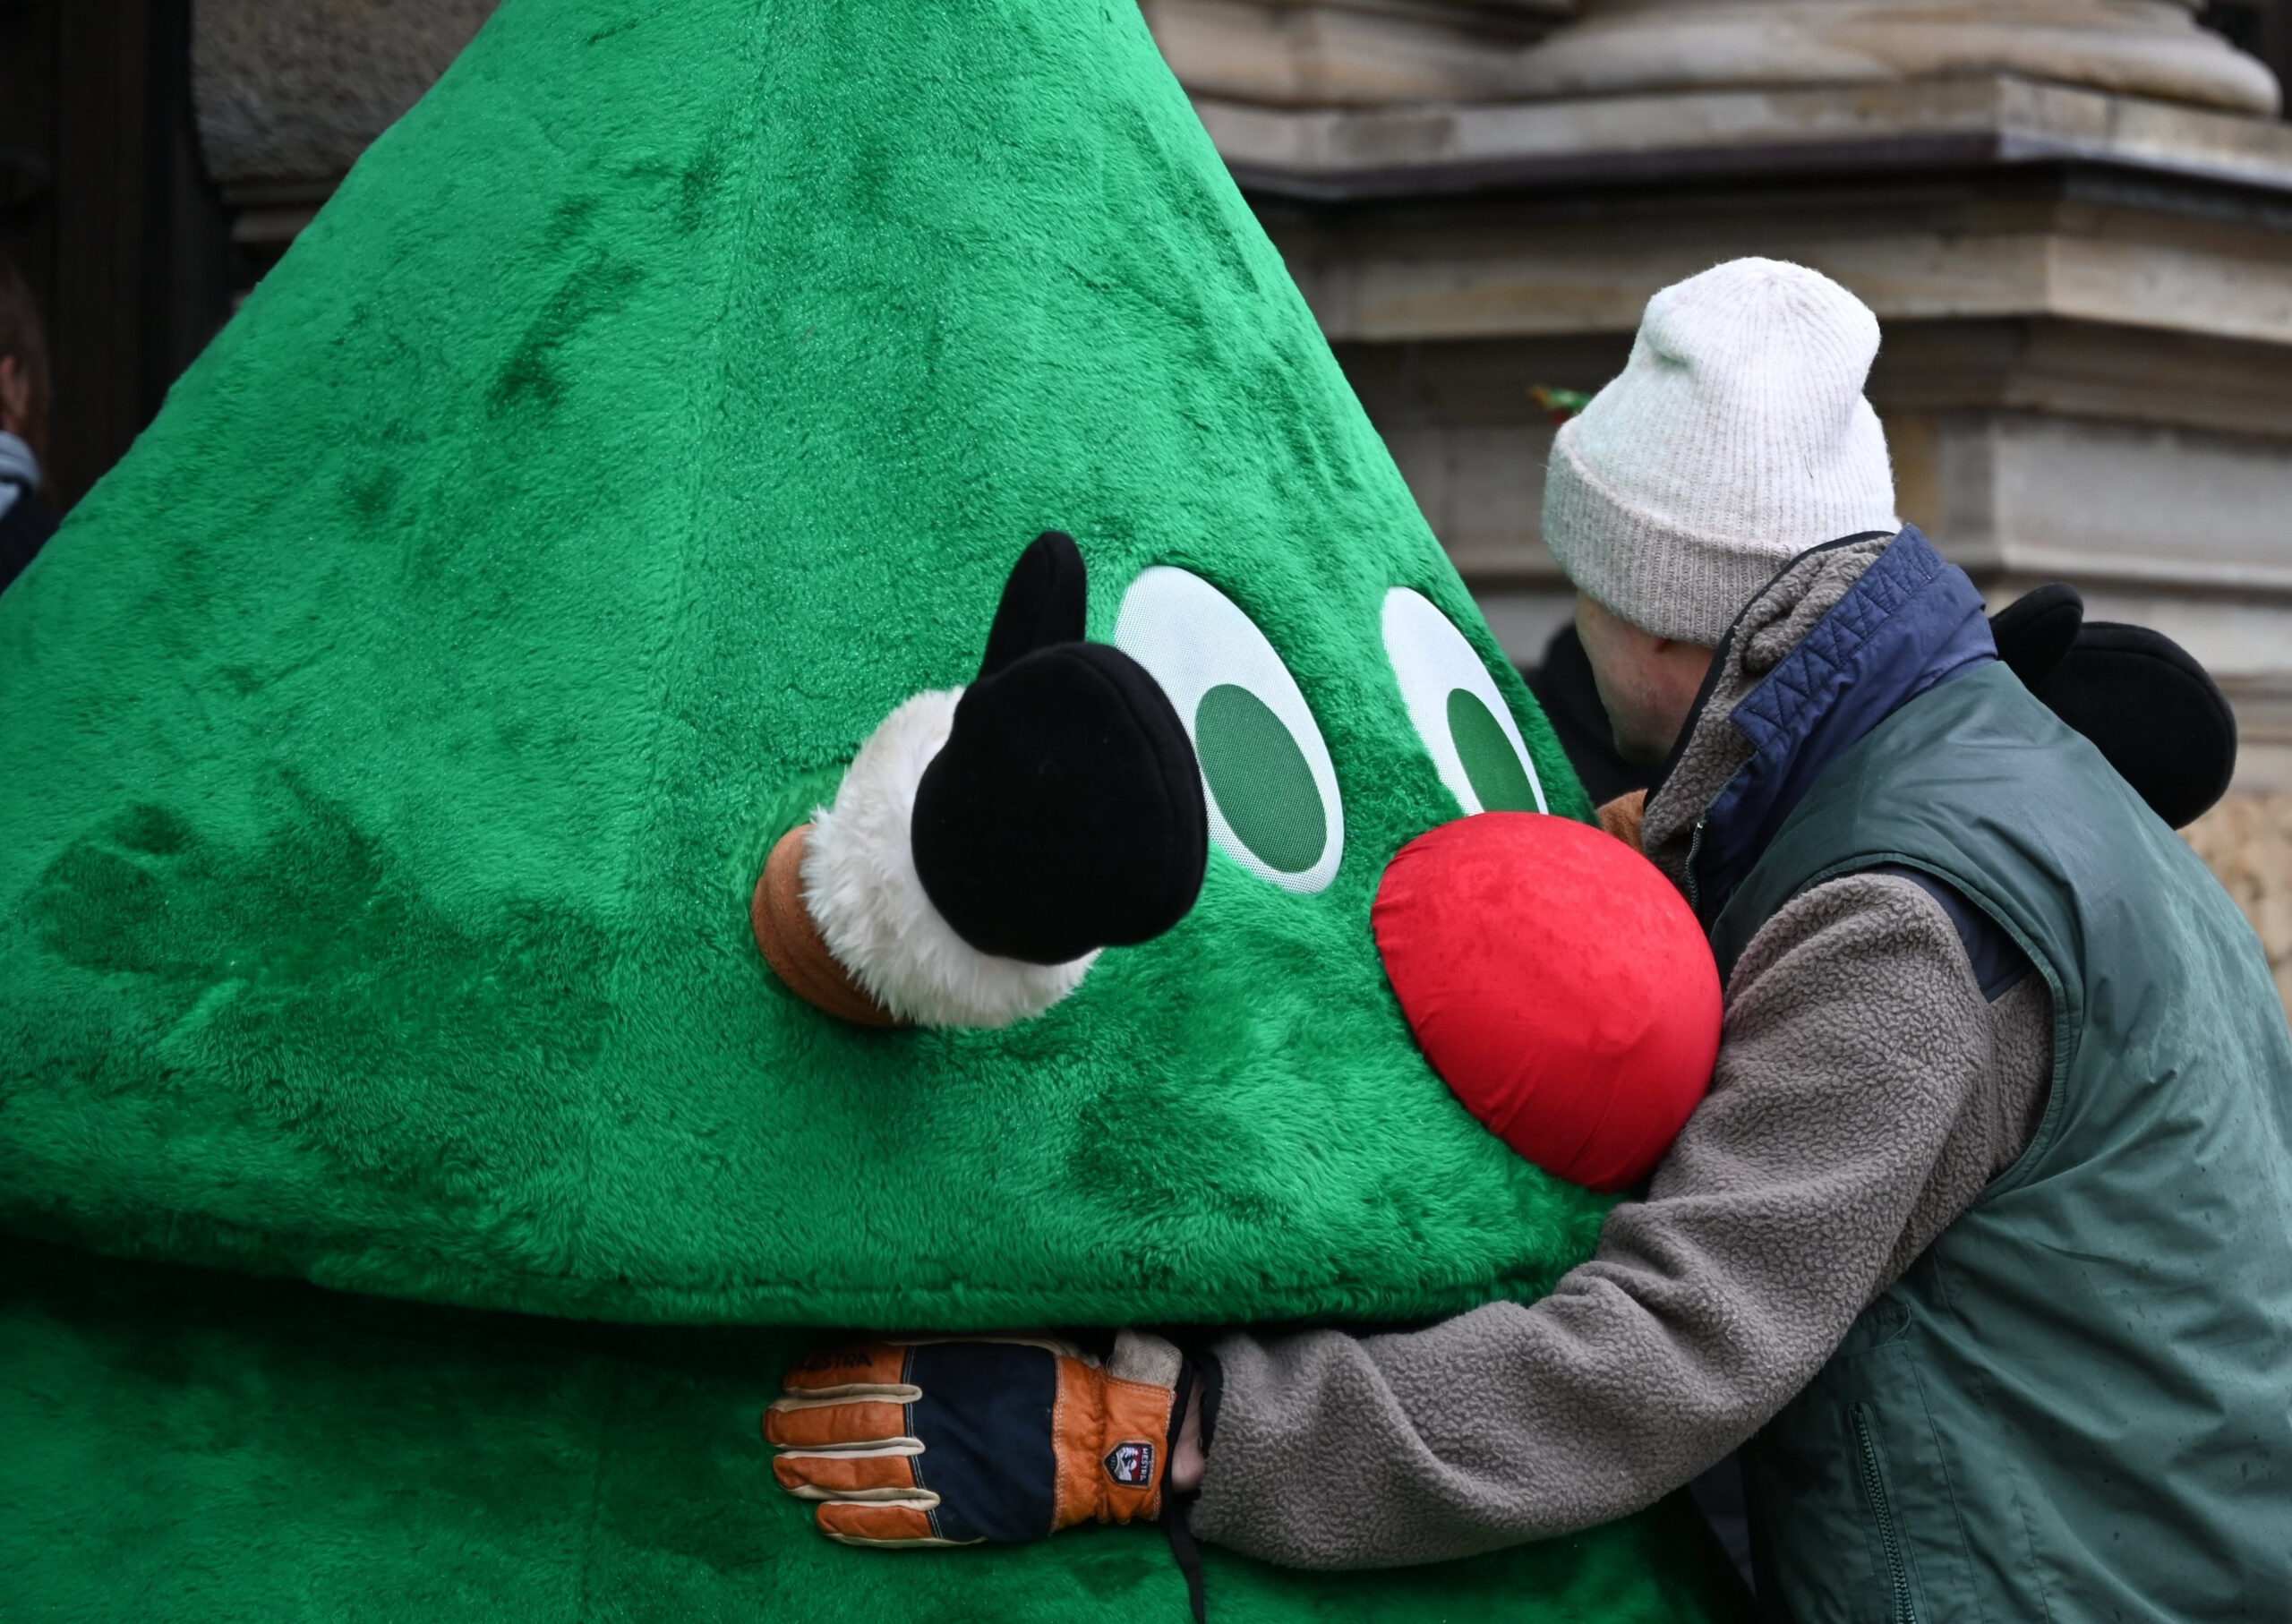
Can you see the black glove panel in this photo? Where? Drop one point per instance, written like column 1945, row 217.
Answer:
column 1066, row 812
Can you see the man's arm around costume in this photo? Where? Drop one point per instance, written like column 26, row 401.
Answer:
column 1867, row 1090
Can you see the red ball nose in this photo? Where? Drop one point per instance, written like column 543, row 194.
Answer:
column 1557, row 984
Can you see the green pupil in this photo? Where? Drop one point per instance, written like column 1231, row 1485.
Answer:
column 1490, row 762
column 1263, row 787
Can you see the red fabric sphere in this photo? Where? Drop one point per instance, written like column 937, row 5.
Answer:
column 1557, row 984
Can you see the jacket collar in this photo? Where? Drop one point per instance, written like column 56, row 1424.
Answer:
column 1910, row 622
column 19, row 470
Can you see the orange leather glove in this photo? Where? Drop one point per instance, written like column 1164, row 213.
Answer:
column 956, row 1442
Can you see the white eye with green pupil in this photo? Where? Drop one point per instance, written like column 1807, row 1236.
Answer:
column 1476, row 745
column 1273, row 791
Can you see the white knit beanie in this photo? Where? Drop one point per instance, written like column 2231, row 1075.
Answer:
column 1735, row 438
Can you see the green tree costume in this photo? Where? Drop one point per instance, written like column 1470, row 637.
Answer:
column 393, row 740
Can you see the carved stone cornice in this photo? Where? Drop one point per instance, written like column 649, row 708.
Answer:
column 1351, row 53
column 2130, row 47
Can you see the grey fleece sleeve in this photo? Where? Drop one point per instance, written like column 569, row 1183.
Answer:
column 1859, row 1093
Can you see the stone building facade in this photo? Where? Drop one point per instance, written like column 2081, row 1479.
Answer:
column 2073, row 216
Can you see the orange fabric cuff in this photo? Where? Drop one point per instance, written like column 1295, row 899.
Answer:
column 1111, row 1439
column 793, row 944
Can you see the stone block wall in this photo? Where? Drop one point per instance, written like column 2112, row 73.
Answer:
column 291, row 94
column 2247, row 840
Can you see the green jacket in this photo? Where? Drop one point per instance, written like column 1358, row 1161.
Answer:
column 2078, row 1403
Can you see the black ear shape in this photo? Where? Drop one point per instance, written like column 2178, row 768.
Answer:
column 2152, row 710
column 2141, row 697
column 1043, row 602
column 2036, row 631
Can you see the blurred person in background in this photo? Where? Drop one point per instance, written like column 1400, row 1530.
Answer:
column 26, row 521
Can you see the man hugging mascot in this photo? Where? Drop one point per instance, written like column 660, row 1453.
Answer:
column 768, row 740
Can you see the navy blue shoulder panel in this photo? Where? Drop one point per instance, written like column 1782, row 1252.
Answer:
column 1999, row 963
column 1911, row 621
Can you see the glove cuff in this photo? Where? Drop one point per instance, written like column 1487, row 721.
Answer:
column 1140, row 1355
column 862, row 891
column 1111, row 1431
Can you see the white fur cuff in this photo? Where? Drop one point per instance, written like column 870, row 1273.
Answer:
column 862, row 891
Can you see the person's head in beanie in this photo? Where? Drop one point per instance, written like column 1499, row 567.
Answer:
column 1735, row 438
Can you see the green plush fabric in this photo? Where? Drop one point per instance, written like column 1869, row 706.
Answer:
column 191, row 1448
column 394, row 739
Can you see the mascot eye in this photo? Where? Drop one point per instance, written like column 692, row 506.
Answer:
column 1454, row 702
column 1273, row 803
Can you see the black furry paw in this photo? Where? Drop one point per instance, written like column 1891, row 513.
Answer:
column 2141, row 697
column 1065, row 811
